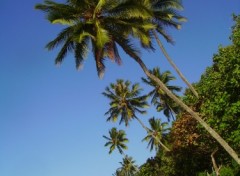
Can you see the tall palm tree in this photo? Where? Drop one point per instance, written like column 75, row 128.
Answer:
column 128, row 166
column 125, row 101
column 159, row 97
column 156, row 134
column 106, row 24
column 165, row 13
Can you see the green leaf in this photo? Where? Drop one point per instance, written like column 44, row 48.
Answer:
column 102, row 37
column 63, row 22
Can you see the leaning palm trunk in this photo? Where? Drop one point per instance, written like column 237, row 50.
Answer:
column 213, row 133
column 148, row 130
column 174, row 65
column 164, row 146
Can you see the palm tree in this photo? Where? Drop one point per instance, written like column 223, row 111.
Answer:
column 128, row 168
column 100, row 23
column 156, row 134
column 125, row 101
column 106, row 24
column 117, row 140
column 159, row 97
column 165, row 13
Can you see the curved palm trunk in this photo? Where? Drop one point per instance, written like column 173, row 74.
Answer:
column 213, row 133
column 148, row 130
column 164, row 146
column 174, row 65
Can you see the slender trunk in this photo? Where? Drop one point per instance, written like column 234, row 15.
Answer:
column 148, row 131
column 164, row 146
column 174, row 65
column 214, row 134
column 215, row 167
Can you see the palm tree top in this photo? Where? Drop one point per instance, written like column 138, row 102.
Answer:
column 100, row 24
column 128, row 166
column 165, row 77
column 104, row 24
column 125, row 101
column 156, row 134
column 166, row 14
column 116, row 139
column 159, row 97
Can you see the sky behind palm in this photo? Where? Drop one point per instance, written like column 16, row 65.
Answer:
column 52, row 118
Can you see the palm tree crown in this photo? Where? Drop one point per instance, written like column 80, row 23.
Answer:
column 156, row 134
column 159, row 97
column 128, row 168
column 117, row 140
column 125, row 101
column 165, row 13
column 101, row 23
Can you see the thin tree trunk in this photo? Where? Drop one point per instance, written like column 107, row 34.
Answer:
column 215, row 167
column 148, row 131
column 164, row 146
column 174, row 65
column 213, row 133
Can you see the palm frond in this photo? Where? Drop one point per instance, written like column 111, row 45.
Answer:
column 81, row 51
column 67, row 47
column 62, row 37
column 98, row 55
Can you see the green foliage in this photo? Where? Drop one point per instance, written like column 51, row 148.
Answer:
column 117, row 140
column 235, row 37
column 219, row 88
column 150, row 168
column 157, row 134
column 125, row 101
column 104, row 25
column 226, row 171
column 219, row 105
column 159, row 98
column 161, row 164
column 128, row 167
column 99, row 24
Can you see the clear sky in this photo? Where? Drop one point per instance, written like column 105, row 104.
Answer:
column 52, row 118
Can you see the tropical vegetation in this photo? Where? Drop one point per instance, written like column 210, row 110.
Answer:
column 192, row 150
column 104, row 26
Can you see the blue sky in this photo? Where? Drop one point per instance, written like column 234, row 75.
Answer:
column 52, row 118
